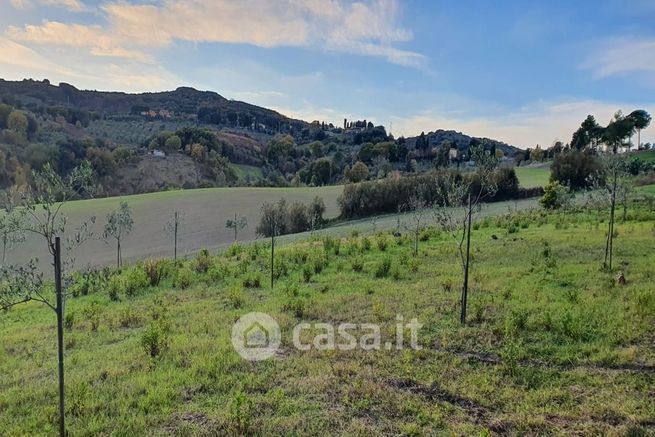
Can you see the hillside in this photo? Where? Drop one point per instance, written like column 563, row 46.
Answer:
column 186, row 138
column 553, row 346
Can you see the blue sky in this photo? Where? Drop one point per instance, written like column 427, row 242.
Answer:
column 522, row 72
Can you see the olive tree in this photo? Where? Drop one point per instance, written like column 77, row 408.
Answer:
column 237, row 224
column 119, row 225
column 461, row 197
column 11, row 222
column 172, row 227
column 42, row 207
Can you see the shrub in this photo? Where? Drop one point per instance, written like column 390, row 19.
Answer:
column 183, row 278
column 135, row 280
column 128, row 318
column 115, row 287
column 319, row 264
column 234, row 250
column 382, row 269
column 307, row 272
column 202, row 262
column 555, row 196
column 382, row 242
column 69, row 320
column 236, row 297
column 154, row 340
column 280, row 267
column 240, row 414
column 92, row 315
column 154, row 271
column 252, row 280
column 574, row 168
column 395, row 272
column 366, row 244
column 357, row 264
column 218, row 272
column 295, row 306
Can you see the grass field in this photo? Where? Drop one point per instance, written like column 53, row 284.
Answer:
column 646, row 155
column 204, row 214
column 534, row 176
column 552, row 346
column 244, row 172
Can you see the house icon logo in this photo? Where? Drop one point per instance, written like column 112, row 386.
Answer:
column 256, row 336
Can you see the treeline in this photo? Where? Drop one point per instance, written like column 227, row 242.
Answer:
column 281, row 219
column 392, row 195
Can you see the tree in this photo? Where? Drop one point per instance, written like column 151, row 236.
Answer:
column 641, row 120
column 315, row 211
column 358, row 173
column 43, row 217
column 461, row 197
column 272, row 224
column 17, row 122
column 417, row 209
column 172, row 227
column 574, row 168
column 119, row 225
column 11, row 222
column 237, row 224
column 537, row 154
column 279, row 148
column 316, row 148
column 172, row 144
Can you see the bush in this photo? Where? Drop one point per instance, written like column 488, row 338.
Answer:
column 135, row 280
column 382, row 269
column 307, row 272
column 366, row 244
column 252, row 280
column 236, row 297
column 115, row 287
column 218, row 272
column 202, row 262
column 319, row 264
column 357, row 264
column 154, row 271
column 92, row 315
column 555, row 196
column 574, row 168
column 295, row 306
column 154, row 340
column 128, row 318
column 183, row 278
column 382, row 242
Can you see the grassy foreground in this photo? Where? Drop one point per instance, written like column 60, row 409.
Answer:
column 553, row 345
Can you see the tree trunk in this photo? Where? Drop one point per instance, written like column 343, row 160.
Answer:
column 465, row 287
column 610, row 226
column 235, row 227
column 118, row 253
column 175, row 243
column 4, row 248
column 60, row 335
column 272, row 257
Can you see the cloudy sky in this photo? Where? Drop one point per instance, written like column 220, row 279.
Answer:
column 525, row 72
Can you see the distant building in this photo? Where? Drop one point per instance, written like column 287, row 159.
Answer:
column 158, row 153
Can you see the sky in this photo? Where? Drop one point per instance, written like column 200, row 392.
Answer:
column 524, row 72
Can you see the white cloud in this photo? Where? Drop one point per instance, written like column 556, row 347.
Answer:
column 94, row 38
column 19, row 62
column 71, row 5
column 364, row 28
column 537, row 123
column 624, row 55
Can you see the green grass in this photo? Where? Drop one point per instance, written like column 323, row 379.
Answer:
column 530, row 177
column 646, row 155
column 647, row 189
column 244, row 172
column 552, row 345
